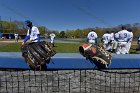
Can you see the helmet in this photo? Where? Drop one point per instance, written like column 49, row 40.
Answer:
column 27, row 22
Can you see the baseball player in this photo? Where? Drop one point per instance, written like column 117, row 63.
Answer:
column 106, row 39
column 16, row 37
column 123, row 37
column 52, row 37
column 115, row 42
column 33, row 33
column 129, row 42
column 92, row 37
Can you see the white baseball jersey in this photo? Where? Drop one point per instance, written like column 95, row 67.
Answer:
column 16, row 35
column 92, row 35
column 33, row 34
column 131, row 37
column 106, row 38
column 112, row 36
column 123, row 36
column 52, row 35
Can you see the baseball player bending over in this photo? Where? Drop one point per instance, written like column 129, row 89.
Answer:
column 106, row 39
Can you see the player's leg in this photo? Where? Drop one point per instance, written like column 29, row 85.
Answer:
column 109, row 47
column 17, row 39
column 124, row 48
column 105, row 44
column 52, row 40
column 128, row 47
column 112, row 46
column 115, row 44
column 118, row 48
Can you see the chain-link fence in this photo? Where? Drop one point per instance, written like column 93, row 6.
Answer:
column 70, row 81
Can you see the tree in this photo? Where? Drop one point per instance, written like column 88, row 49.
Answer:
column 62, row 34
column 42, row 30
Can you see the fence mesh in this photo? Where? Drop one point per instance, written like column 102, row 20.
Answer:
column 70, row 81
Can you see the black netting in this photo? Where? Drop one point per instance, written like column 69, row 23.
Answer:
column 70, row 81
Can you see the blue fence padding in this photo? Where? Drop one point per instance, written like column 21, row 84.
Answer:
column 69, row 61
column 13, row 63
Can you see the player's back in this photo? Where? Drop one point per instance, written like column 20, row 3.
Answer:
column 124, row 35
column 106, row 37
column 92, row 35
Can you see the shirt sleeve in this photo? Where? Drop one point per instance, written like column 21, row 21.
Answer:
column 96, row 35
column 28, row 32
column 88, row 35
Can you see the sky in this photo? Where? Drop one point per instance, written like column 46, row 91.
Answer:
column 65, row 15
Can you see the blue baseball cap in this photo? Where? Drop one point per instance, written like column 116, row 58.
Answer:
column 27, row 22
column 129, row 29
column 124, row 27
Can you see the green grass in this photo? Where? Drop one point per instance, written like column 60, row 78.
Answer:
column 13, row 47
column 66, row 48
column 81, row 41
column 60, row 48
column 133, row 51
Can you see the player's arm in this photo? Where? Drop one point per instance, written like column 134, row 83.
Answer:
column 38, row 34
column 110, row 39
column 102, row 39
column 116, row 37
column 96, row 39
column 26, row 38
column 38, row 37
column 88, row 37
column 128, row 37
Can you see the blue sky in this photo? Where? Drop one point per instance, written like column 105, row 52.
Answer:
column 72, row 14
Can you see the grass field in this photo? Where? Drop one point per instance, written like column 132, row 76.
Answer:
column 59, row 47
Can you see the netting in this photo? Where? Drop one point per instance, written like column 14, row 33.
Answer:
column 70, row 81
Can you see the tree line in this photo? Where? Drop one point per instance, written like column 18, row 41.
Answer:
column 17, row 27
column 82, row 33
column 20, row 28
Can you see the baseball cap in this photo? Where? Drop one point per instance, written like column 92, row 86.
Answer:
column 129, row 29
column 124, row 27
column 27, row 22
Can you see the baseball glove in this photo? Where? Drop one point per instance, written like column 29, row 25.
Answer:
column 37, row 54
column 96, row 54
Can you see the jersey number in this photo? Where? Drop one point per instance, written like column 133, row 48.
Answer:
column 125, row 35
column 92, row 35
